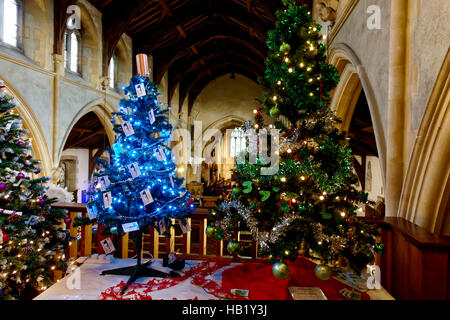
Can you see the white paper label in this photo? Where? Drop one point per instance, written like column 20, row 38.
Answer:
column 151, row 116
column 134, row 170
column 129, row 227
column 8, row 125
column 107, row 200
column 107, row 246
column 104, row 182
column 32, row 220
column 92, row 212
column 185, row 226
column 162, row 226
column 128, row 128
column 160, row 155
column 146, row 197
column 140, row 90
column 171, row 257
column 117, row 148
column 10, row 212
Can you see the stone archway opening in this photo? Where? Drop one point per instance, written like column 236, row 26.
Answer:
column 366, row 156
column 86, row 141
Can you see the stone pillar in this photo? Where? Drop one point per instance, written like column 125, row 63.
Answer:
column 396, row 106
column 58, row 64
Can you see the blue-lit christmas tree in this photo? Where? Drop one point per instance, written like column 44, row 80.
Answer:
column 139, row 187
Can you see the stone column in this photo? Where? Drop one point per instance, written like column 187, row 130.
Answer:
column 396, row 106
column 58, row 64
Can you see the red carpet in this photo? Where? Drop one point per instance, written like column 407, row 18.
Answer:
column 259, row 280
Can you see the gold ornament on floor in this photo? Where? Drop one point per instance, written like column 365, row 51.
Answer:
column 323, row 272
column 280, row 270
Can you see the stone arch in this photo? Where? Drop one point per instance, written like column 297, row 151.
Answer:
column 221, row 124
column 426, row 190
column 124, row 65
column 103, row 110
column 354, row 78
column 31, row 123
column 91, row 57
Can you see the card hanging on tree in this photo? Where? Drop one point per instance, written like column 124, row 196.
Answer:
column 118, row 149
column 185, row 226
column 32, row 220
column 160, row 155
column 10, row 212
column 104, row 182
column 162, row 226
column 151, row 116
column 107, row 246
column 128, row 128
column 146, row 197
column 92, row 212
column 8, row 125
column 140, row 90
column 134, row 170
column 130, row 227
column 107, row 200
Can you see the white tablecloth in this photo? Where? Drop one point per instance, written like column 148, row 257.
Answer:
column 93, row 284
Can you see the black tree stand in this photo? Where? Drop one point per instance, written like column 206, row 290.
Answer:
column 140, row 270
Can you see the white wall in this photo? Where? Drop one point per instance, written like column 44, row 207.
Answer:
column 82, row 168
column 374, row 180
column 223, row 103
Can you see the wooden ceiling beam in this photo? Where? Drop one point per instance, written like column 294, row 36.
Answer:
column 181, row 31
column 249, row 6
column 162, row 68
column 88, row 137
column 165, row 7
column 194, row 50
column 220, row 56
column 116, row 20
column 60, row 23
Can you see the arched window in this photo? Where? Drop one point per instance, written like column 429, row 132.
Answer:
column 11, row 22
column 238, row 142
column 72, row 49
column 112, row 72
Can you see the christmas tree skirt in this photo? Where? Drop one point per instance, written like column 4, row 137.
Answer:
column 262, row 285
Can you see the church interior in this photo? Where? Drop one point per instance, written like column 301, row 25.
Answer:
column 67, row 65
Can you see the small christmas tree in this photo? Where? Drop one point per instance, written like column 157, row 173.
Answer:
column 310, row 204
column 139, row 188
column 31, row 238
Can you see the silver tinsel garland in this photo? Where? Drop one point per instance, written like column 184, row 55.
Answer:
column 337, row 243
column 263, row 238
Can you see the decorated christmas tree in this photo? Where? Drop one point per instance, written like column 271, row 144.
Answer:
column 31, row 238
column 139, row 187
column 310, row 205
